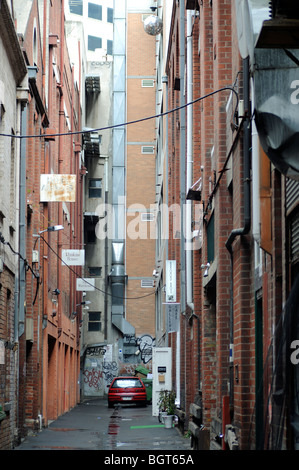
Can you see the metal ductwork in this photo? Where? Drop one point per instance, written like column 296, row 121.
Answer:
column 118, row 281
column 117, row 276
column 268, row 32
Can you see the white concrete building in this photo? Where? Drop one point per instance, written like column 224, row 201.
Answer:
column 97, row 17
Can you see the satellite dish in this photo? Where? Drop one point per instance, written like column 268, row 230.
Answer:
column 153, row 25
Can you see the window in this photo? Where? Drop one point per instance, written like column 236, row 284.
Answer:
column 95, row 271
column 94, row 321
column 109, row 15
column 109, row 47
column 76, row 7
column 94, row 11
column 94, row 43
column 95, row 188
column 125, row 383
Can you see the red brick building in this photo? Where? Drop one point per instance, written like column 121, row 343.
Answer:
column 233, row 330
column 49, row 359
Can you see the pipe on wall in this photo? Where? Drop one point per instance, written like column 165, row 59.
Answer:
column 247, row 205
column 189, row 285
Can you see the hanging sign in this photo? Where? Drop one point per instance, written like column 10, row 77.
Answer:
column 73, row 257
column 57, row 188
column 85, row 284
column 173, row 317
column 170, row 281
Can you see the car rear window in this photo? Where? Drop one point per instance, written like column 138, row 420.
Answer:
column 124, row 383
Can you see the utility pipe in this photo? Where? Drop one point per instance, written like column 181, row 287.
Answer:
column 189, row 161
column 165, row 80
column 60, row 156
column 247, row 206
column 182, row 196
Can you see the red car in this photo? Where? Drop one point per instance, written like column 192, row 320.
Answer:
column 127, row 390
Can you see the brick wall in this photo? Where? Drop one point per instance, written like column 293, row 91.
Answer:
column 140, row 173
column 8, row 372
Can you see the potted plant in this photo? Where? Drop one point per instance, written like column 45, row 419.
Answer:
column 162, row 404
column 167, row 407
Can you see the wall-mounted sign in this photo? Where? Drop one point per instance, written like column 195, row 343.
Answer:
column 170, row 281
column 173, row 317
column 85, row 284
column 57, row 188
column 2, row 353
column 73, row 257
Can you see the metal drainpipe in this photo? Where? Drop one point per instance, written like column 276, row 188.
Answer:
column 182, row 197
column 165, row 81
column 247, row 207
column 60, row 158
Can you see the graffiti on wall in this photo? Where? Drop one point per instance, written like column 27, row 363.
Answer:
column 93, row 378
column 99, row 369
column 145, row 344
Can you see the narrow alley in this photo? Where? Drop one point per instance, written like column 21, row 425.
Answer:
column 93, row 426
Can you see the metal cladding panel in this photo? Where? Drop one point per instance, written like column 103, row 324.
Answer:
column 118, row 185
column 118, row 145
column 119, row 72
column 119, row 35
column 119, row 103
column 276, row 107
column 120, row 8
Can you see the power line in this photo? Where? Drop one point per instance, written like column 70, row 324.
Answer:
column 231, row 88
column 82, row 132
column 86, row 281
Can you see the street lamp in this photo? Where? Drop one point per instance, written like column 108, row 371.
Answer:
column 55, row 228
column 85, row 302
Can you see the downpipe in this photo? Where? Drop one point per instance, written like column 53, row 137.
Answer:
column 247, row 210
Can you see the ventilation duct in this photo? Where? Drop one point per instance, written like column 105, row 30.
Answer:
column 276, row 89
column 275, row 74
column 118, row 281
column 117, row 276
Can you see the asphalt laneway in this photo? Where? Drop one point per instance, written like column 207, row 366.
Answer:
column 93, row 426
